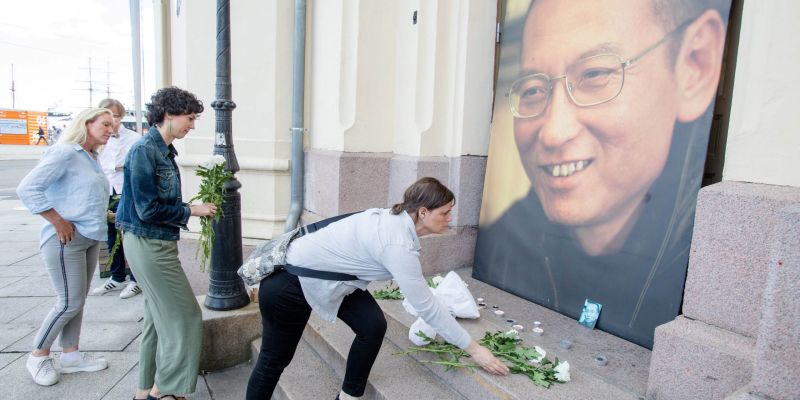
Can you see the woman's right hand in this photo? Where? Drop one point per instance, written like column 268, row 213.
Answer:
column 486, row 359
column 65, row 230
column 203, row 210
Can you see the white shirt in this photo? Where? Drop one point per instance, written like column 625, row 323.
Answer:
column 112, row 158
column 372, row 245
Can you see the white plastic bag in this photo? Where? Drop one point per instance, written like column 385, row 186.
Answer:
column 452, row 293
column 417, row 326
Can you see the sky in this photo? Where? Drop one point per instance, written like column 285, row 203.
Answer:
column 51, row 42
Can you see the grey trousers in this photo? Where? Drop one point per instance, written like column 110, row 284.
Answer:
column 71, row 268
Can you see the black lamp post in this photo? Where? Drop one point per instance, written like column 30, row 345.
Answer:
column 225, row 289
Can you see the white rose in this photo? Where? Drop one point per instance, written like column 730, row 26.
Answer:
column 217, row 159
column 512, row 333
column 437, row 280
column 562, row 371
column 541, row 352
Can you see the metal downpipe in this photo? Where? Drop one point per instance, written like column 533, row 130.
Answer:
column 298, row 80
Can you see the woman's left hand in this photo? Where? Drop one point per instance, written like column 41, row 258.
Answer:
column 486, row 359
column 203, row 210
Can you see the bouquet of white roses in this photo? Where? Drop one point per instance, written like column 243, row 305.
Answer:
column 212, row 189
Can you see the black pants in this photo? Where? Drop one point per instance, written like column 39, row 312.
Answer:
column 117, row 267
column 284, row 314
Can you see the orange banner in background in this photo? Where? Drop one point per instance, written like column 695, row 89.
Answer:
column 21, row 126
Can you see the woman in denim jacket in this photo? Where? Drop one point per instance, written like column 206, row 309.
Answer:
column 150, row 214
column 376, row 244
column 69, row 190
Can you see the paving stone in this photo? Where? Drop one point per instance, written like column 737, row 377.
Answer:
column 8, row 358
column 30, row 286
column 6, row 281
column 95, row 336
column 107, row 308
column 125, row 386
column 11, row 256
column 12, row 308
column 11, row 333
column 35, row 260
column 24, row 268
column 16, row 382
column 134, row 345
column 229, row 383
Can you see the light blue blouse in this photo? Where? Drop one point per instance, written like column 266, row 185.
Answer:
column 68, row 180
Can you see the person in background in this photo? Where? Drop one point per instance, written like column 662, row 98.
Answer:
column 112, row 159
column 69, row 190
column 150, row 214
column 376, row 244
column 41, row 135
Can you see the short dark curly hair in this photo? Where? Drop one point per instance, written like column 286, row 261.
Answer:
column 174, row 101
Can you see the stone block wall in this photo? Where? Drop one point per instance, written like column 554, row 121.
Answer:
column 341, row 182
column 740, row 328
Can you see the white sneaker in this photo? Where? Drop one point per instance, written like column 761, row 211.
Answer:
column 131, row 290
column 85, row 364
column 110, row 286
column 42, row 370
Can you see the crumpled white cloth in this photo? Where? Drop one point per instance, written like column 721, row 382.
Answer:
column 453, row 293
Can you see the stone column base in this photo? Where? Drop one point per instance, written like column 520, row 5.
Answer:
column 227, row 336
column 694, row 360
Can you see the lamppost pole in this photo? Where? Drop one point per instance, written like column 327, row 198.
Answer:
column 226, row 289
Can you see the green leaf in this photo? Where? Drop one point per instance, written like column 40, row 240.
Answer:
column 388, row 293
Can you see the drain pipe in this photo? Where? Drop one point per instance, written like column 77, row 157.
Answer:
column 298, row 80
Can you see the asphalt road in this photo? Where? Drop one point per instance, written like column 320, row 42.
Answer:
column 11, row 173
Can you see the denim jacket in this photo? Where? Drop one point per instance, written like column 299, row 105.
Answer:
column 151, row 204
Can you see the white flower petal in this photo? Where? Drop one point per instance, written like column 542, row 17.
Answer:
column 562, row 371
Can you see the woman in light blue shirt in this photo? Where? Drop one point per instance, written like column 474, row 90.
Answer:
column 328, row 270
column 69, row 190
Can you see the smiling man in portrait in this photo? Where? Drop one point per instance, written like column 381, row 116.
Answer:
column 611, row 114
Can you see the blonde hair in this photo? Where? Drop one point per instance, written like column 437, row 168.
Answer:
column 76, row 132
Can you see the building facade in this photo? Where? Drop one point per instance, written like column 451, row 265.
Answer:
column 399, row 90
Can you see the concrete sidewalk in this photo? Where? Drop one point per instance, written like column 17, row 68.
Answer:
column 111, row 326
column 21, row 152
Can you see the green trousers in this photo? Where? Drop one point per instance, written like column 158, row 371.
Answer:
column 172, row 335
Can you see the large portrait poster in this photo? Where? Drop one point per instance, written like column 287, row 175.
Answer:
column 602, row 115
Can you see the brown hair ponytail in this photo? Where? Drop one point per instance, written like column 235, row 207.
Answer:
column 426, row 192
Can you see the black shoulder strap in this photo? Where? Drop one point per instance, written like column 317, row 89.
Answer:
column 312, row 273
column 310, row 228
